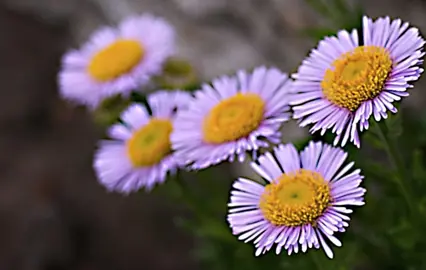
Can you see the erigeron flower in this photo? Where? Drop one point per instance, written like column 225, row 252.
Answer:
column 116, row 60
column 343, row 82
column 231, row 116
column 139, row 154
column 303, row 204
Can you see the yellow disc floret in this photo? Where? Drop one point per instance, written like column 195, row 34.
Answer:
column 295, row 199
column 233, row 118
column 357, row 76
column 115, row 60
column 150, row 144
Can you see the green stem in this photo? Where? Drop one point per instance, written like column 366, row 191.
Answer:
column 180, row 187
column 397, row 162
column 189, row 198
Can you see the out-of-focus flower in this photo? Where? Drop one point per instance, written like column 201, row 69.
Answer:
column 116, row 60
column 342, row 83
column 231, row 116
column 304, row 201
column 177, row 74
column 139, row 154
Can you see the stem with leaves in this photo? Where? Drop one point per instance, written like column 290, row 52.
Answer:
column 395, row 158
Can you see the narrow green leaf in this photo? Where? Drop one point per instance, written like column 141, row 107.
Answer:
column 394, row 125
column 372, row 138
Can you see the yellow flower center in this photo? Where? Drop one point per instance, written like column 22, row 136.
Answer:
column 233, row 118
column 115, row 60
column 357, row 76
column 150, row 144
column 295, row 199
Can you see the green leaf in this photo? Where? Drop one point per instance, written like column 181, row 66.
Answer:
column 108, row 112
column 394, row 125
column 372, row 138
column 178, row 74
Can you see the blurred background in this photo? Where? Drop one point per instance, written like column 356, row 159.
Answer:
column 53, row 213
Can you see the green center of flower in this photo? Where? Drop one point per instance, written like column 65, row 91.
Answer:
column 295, row 199
column 115, row 60
column 357, row 76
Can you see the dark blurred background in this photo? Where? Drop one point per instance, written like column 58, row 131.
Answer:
column 53, row 214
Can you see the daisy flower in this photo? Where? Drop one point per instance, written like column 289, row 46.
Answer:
column 116, row 60
column 342, row 83
column 139, row 154
column 303, row 203
column 231, row 116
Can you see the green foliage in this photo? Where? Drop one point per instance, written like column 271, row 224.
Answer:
column 339, row 15
column 108, row 112
column 177, row 74
column 387, row 233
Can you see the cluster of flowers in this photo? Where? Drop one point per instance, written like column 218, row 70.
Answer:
column 343, row 82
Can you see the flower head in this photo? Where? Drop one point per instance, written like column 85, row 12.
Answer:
column 139, row 154
column 116, row 60
column 343, row 83
column 232, row 116
column 303, row 203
